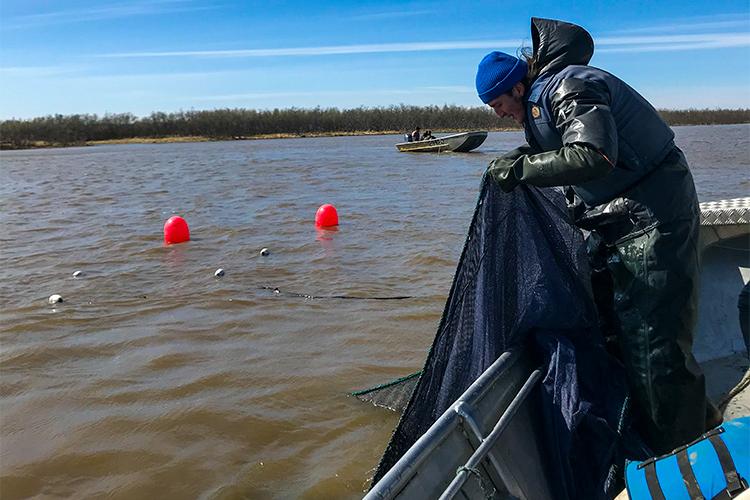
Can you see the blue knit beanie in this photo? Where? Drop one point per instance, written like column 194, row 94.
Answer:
column 497, row 73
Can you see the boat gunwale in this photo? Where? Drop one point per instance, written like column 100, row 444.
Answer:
column 402, row 472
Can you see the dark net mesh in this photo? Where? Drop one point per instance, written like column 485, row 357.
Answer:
column 523, row 279
column 393, row 395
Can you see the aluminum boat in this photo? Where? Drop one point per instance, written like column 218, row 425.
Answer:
column 457, row 143
column 486, row 445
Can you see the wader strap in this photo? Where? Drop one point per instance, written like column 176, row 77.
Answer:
column 688, row 477
column 653, row 483
column 734, row 483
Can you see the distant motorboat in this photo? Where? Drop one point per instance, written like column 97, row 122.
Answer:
column 457, row 143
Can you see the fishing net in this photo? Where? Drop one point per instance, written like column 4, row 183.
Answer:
column 394, row 395
column 522, row 280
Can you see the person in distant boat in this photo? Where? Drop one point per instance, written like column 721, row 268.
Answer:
column 626, row 182
column 416, row 135
column 428, row 135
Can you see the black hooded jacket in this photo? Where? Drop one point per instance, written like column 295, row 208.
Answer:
column 588, row 128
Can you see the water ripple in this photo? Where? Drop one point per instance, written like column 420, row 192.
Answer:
column 154, row 379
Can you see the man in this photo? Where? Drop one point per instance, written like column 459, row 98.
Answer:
column 632, row 188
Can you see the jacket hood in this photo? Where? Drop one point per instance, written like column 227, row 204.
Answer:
column 558, row 44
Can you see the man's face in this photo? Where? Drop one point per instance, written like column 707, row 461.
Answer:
column 510, row 104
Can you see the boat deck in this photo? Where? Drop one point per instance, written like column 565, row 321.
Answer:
column 728, row 384
column 724, row 236
column 726, row 212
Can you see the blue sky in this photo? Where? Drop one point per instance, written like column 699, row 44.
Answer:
column 165, row 55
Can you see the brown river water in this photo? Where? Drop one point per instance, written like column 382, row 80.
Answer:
column 154, row 379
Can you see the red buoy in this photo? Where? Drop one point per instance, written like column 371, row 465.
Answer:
column 326, row 216
column 176, row 230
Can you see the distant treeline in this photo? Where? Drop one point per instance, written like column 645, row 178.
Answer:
column 242, row 123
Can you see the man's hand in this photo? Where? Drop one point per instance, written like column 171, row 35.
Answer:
column 502, row 171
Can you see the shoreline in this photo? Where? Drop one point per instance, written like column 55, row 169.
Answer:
column 197, row 138
column 203, row 138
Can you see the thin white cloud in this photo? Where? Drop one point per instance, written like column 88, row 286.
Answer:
column 672, row 43
column 452, row 88
column 678, row 47
column 333, row 93
column 691, row 24
column 406, row 12
column 75, row 73
column 697, row 96
column 163, row 77
column 102, row 12
column 326, row 50
column 640, row 43
column 37, row 71
column 709, row 25
column 673, row 39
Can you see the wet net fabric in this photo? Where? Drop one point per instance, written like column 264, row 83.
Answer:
column 394, row 395
column 523, row 281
